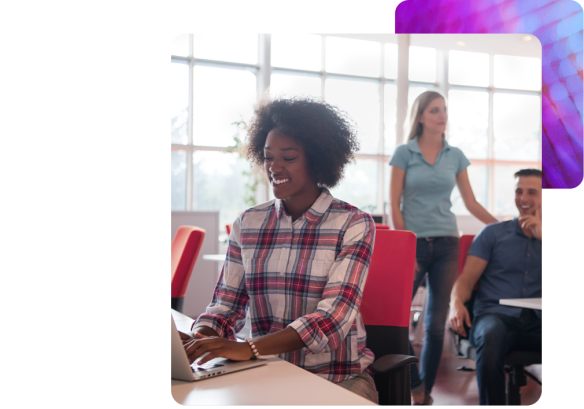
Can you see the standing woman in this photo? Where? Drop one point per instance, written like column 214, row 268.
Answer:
column 424, row 172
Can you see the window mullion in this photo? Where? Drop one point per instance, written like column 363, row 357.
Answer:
column 491, row 142
column 403, row 84
column 381, row 144
column 264, row 81
column 322, row 66
column 190, row 168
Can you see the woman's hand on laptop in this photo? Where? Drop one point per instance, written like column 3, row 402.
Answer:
column 215, row 347
column 185, row 337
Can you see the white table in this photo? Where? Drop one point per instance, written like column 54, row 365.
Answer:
column 277, row 383
column 533, row 303
column 214, row 257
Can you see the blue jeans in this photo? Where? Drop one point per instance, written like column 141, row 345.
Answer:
column 438, row 259
column 495, row 335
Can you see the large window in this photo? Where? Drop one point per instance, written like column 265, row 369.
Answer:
column 347, row 73
column 494, row 110
column 213, row 85
column 495, row 118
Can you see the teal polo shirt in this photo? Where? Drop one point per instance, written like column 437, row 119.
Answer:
column 425, row 203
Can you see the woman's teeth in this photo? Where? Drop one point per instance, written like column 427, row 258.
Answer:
column 279, row 182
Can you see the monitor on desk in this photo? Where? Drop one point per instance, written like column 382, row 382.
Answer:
column 378, row 218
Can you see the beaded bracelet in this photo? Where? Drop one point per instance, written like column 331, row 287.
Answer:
column 253, row 347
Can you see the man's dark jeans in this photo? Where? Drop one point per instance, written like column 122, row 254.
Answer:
column 495, row 335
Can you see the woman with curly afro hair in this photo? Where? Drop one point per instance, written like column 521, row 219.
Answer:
column 325, row 133
column 296, row 265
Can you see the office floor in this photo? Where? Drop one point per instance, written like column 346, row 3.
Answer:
column 454, row 387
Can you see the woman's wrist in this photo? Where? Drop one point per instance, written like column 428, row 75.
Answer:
column 253, row 349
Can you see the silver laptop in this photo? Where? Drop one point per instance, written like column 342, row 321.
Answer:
column 182, row 371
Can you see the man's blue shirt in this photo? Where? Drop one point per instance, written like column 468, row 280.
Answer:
column 513, row 269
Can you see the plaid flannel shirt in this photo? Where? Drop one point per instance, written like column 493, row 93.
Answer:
column 308, row 275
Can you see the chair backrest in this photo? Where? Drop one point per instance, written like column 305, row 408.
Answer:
column 388, row 291
column 185, row 248
column 385, row 308
column 379, row 226
column 228, row 229
column 464, row 247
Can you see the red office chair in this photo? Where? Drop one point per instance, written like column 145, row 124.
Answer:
column 464, row 247
column 185, row 249
column 386, row 313
column 379, row 226
column 228, row 229
column 515, row 361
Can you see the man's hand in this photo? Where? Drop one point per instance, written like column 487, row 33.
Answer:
column 215, row 347
column 458, row 317
column 532, row 223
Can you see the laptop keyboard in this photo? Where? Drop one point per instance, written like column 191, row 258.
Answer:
column 204, row 367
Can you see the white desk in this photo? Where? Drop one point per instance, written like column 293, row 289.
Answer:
column 277, row 383
column 214, row 257
column 533, row 303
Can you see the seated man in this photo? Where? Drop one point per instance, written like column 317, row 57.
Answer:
column 505, row 260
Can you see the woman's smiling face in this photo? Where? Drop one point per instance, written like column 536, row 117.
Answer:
column 287, row 168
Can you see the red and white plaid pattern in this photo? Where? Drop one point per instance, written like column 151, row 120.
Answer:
column 308, row 275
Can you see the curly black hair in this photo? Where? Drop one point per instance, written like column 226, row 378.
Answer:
column 326, row 134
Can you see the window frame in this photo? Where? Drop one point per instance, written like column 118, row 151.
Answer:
column 263, row 70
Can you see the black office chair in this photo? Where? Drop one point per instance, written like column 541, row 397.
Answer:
column 515, row 361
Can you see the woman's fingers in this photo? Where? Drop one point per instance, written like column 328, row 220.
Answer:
column 198, row 348
column 218, row 353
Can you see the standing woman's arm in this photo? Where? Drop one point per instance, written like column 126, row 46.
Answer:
column 469, row 200
column 396, row 188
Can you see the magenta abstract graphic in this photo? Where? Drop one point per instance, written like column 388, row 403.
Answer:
column 558, row 26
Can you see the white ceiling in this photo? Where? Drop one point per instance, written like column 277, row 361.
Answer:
column 506, row 44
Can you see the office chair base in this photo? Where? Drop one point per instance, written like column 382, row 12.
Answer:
column 177, row 303
column 515, row 380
